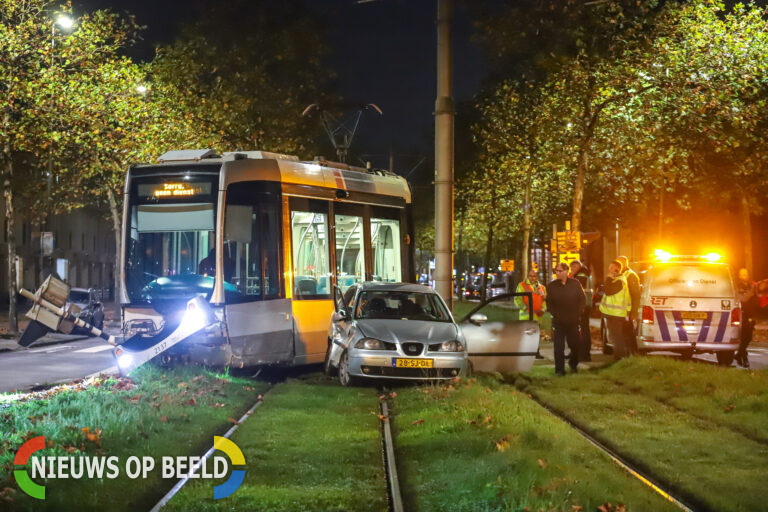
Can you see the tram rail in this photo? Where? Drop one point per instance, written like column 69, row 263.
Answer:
column 394, row 496
column 658, row 487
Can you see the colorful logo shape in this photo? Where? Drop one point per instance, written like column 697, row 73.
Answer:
column 236, row 478
column 22, row 477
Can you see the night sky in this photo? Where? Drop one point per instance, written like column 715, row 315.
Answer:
column 383, row 52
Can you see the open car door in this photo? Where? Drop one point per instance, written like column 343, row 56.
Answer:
column 496, row 340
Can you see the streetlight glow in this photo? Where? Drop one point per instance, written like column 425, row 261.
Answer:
column 65, row 22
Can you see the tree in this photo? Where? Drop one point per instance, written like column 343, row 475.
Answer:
column 245, row 87
column 36, row 76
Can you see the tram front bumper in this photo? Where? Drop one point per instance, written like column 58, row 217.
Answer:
column 137, row 350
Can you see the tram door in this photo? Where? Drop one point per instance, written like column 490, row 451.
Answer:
column 259, row 316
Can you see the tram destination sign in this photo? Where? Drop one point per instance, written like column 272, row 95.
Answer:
column 175, row 189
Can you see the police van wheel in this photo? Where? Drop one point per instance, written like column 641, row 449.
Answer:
column 329, row 369
column 725, row 358
column 686, row 355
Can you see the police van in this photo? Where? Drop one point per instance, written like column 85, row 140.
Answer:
column 688, row 305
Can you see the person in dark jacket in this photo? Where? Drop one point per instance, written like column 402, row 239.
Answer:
column 565, row 302
column 746, row 291
column 581, row 274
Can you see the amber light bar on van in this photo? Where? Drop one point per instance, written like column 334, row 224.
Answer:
column 647, row 315
column 736, row 316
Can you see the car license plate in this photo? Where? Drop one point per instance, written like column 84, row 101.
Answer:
column 693, row 315
column 398, row 362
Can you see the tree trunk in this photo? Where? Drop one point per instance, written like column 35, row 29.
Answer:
column 117, row 229
column 578, row 187
column 747, row 229
column 488, row 251
column 524, row 264
column 11, row 237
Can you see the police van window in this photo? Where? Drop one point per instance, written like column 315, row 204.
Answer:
column 310, row 248
column 386, row 255
column 251, row 242
column 690, row 281
column 350, row 250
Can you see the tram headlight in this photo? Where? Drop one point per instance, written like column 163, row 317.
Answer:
column 124, row 361
column 370, row 344
column 451, row 346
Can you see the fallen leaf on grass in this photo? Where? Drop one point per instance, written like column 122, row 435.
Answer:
column 181, row 385
column 260, row 398
column 417, row 422
column 191, row 401
column 502, row 444
column 577, row 508
column 155, row 404
column 217, row 404
column 487, row 419
column 393, row 394
column 729, row 408
column 383, row 418
column 199, row 377
column 164, row 419
column 382, row 397
column 135, row 398
column 233, row 420
column 542, row 463
column 631, row 411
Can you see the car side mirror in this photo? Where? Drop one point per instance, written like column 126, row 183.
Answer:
column 478, row 319
column 342, row 314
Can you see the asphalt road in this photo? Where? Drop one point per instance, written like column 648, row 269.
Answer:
column 23, row 369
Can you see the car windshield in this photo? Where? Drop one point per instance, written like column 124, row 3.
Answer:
column 401, row 306
column 690, row 281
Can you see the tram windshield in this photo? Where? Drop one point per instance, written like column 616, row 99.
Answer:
column 171, row 237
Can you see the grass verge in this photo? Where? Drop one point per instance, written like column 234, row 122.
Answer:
column 157, row 412
column 698, row 428
column 312, row 445
column 480, row 445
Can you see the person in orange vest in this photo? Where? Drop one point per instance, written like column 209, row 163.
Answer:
column 539, row 292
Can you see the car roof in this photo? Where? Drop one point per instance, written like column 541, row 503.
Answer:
column 400, row 287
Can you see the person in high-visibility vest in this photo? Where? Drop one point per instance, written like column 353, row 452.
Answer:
column 539, row 292
column 633, row 285
column 615, row 307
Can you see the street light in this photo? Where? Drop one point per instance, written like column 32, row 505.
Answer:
column 65, row 23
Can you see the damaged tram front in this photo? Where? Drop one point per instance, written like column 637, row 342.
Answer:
column 232, row 259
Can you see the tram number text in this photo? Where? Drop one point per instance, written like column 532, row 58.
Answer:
column 160, row 347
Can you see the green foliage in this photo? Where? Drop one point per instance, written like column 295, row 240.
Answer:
column 668, row 98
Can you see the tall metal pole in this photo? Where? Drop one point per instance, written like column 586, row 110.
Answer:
column 444, row 156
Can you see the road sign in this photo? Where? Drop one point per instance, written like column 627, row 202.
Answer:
column 568, row 257
column 568, row 241
column 507, row 265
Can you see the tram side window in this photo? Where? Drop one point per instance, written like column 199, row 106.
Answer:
column 252, row 242
column 385, row 242
column 311, row 260
column 350, row 253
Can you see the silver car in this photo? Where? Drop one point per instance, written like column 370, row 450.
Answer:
column 393, row 331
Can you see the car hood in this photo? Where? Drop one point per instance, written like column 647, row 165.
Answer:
column 407, row 330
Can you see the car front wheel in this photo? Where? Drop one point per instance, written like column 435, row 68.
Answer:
column 345, row 378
